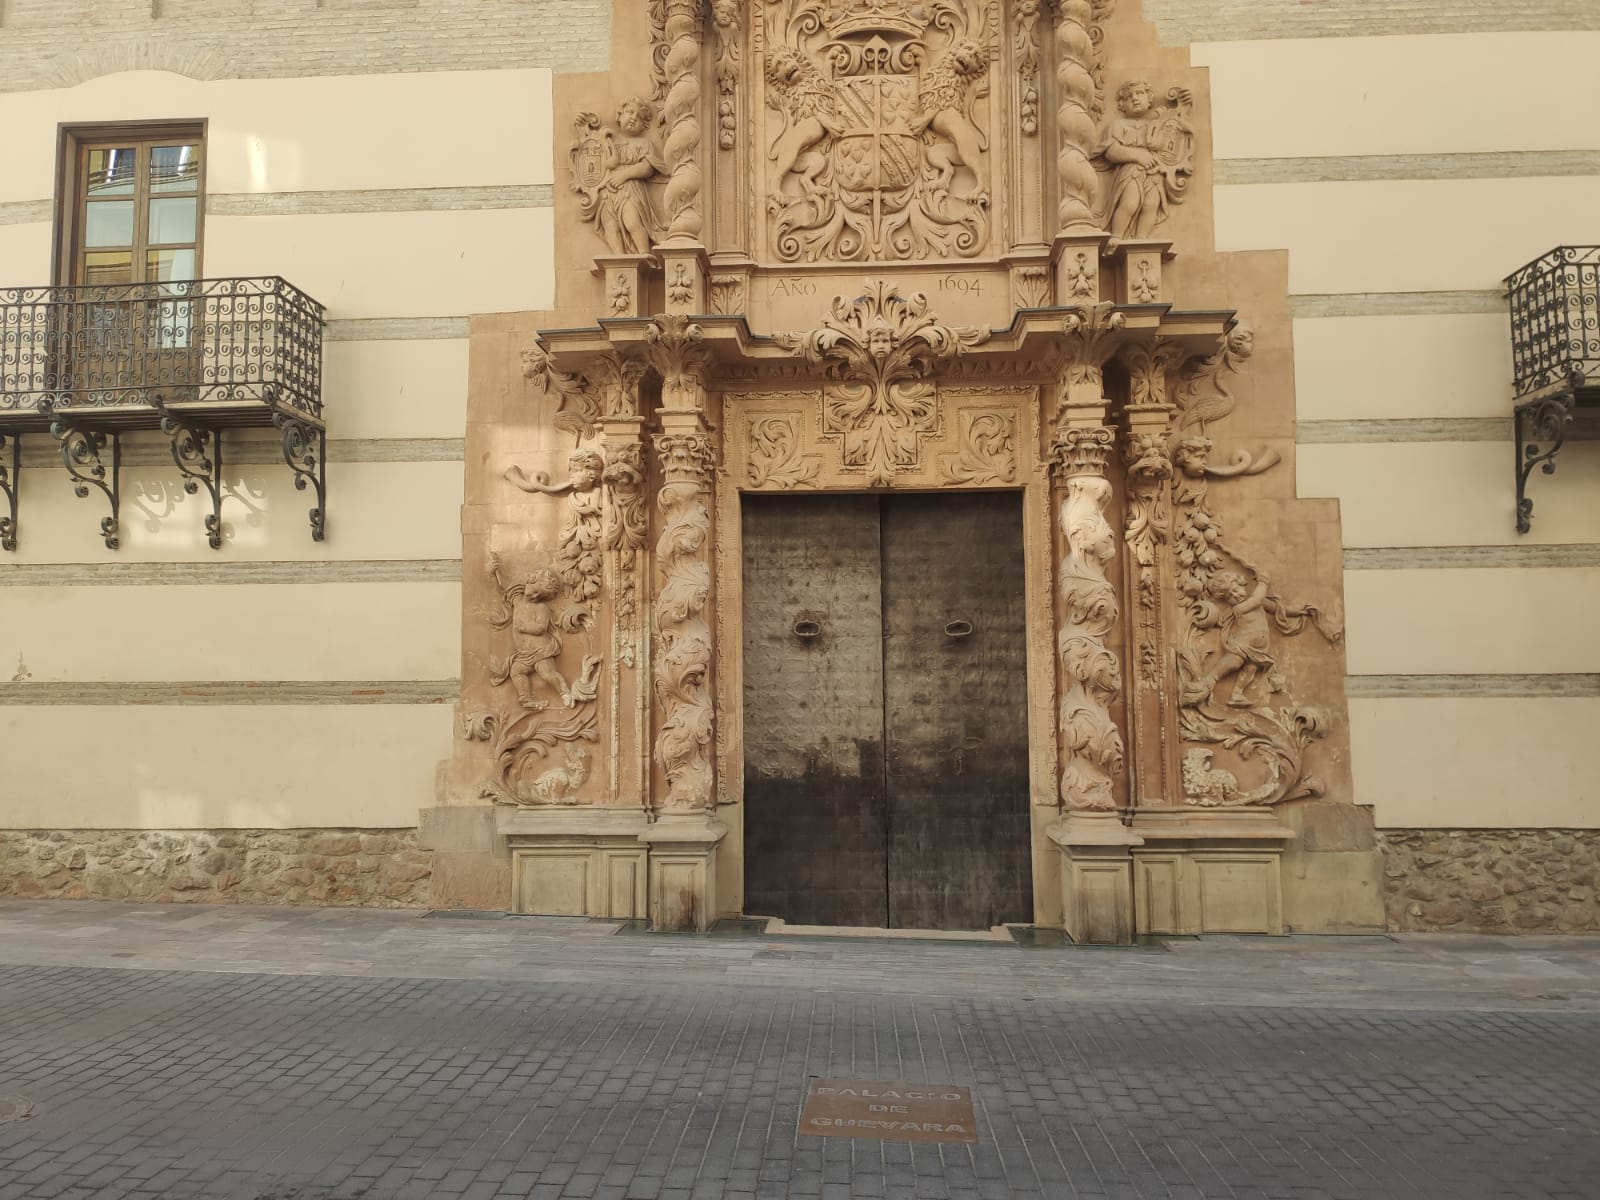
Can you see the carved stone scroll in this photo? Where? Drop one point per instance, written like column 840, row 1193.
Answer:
column 879, row 351
column 680, row 113
column 683, row 660
column 578, row 409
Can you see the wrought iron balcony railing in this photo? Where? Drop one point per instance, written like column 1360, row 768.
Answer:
column 1555, row 354
column 193, row 358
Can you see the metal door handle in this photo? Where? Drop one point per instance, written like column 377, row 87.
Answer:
column 958, row 629
column 806, row 629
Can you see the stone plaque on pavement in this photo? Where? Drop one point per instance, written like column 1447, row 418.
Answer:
column 911, row 1112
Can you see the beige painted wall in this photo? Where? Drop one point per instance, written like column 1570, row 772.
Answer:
column 193, row 767
column 1380, row 126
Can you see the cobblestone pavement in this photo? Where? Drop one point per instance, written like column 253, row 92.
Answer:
column 270, row 1054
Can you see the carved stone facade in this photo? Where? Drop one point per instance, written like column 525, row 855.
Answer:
column 864, row 277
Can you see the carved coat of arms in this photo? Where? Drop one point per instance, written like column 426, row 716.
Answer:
column 879, row 149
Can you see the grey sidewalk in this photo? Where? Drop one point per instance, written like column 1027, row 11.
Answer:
column 333, row 1054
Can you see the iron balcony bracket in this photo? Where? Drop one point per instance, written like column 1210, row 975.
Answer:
column 305, row 449
column 197, row 452
column 80, row 454
column 10, row 481
column 1541, row 430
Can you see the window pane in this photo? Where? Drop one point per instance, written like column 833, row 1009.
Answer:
column 105, row 267
column 111, row 172
column 109, row 223
column 174, row 168
column 164, row 265
column 172, row 220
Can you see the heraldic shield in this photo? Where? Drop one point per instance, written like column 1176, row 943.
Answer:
column 877, row 150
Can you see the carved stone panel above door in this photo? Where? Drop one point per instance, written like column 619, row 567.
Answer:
column 876, row 142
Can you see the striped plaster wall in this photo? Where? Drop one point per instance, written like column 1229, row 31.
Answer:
column 278, row 682
column 1407, row 177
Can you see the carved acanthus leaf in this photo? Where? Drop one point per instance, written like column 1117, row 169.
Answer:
column 775, row 458
column 676, row 348
column 988, row 453
column 727, row 294
column 879, row 351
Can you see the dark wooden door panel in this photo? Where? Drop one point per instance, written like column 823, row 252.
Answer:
column 813, row 710
column 956, row 711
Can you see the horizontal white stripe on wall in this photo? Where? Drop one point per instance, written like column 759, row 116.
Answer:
column 1435, row 94
column 183, row 767
column 208, row 632
column 1449, row 621
column 1406, row 235
column 1451, row 493
column 1476, row 763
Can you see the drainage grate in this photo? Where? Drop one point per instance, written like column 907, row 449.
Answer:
column 15, row 1108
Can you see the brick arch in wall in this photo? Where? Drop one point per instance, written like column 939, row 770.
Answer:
column 142, row 54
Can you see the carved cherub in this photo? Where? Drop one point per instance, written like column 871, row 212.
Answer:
column 578, row 555
column 1246, row 636
column 943, row 105
column 611, row 169
column 526, row 607
column 800, row 90
column 1150, row 149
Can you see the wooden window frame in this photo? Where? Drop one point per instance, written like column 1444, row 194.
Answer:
column 70, row 205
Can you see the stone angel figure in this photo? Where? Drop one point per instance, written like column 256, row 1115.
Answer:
column 612, row 167
column 1148, row 151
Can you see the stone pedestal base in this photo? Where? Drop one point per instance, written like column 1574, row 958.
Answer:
column 1208, row 870
column 613, row 862
column 1096, row 878
column 683, row 875
column 577, row 861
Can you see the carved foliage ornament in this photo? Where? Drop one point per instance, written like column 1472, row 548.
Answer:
column 676, row 347
column 988, row 453
column 879, row 351
column 880, row 147
column 775, row 458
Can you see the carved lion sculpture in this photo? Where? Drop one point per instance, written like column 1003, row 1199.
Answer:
column 942, row 107
column 802, row 92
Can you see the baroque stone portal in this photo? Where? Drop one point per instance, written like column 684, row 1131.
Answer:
column 922, row 245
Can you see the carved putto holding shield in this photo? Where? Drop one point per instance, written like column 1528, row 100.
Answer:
column 612, row 167
column 879, row 148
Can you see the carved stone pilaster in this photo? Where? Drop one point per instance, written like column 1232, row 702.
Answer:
column 682, row 32
column 1147, row 426
column 683, row 632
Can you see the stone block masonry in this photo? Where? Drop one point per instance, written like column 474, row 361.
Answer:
column 377, row 868
column 1492, row 880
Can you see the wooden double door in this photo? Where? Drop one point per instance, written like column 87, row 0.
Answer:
column 886, row 711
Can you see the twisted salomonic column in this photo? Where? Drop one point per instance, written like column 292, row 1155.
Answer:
column 1092, row 677
column 1077, row 96
column 683, row 660
column 681, row 114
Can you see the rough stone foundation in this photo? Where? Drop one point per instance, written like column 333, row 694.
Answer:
column 380, row 868
column 1492, row 880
